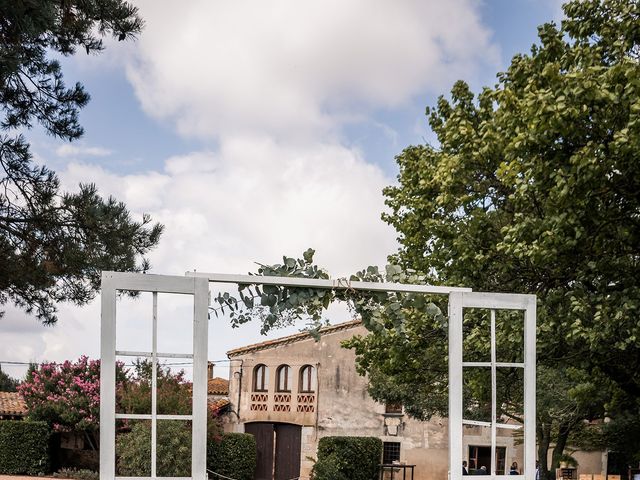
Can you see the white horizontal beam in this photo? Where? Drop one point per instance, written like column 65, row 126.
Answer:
column 498, row 301
column 498, row 364
column 509, row 426
column 476, row 423
column 505, row 426
column 148, row 416
column 147, row 478
column 124, row 281
column 126, row 353
column 325, row 283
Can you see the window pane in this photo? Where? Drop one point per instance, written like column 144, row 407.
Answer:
column 393, row 407
column 390, row 452
column 260, row 378
column 307, row 379
column 284, row 379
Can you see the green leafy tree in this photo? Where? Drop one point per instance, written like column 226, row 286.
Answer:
column 7, row 383
column 173, row 390
column 53, row 244
column 533, row 187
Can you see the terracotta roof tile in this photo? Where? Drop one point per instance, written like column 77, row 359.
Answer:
column 291, row 338
column 220, row 404
column 12, row 403
column 218, row 386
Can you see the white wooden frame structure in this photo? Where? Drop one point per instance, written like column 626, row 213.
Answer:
column 196, row 284
column 492, row 301
column 112, row 282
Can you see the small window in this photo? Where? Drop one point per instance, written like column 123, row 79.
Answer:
column 390, row 452
column 283, row 378
column 308, row 379
column 393, row 407
column 260, row 378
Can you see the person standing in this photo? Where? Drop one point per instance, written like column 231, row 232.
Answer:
column 513, row 470
column 464, row 468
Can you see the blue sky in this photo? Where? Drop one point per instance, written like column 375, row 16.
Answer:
column 114, row 117
column 253, row 133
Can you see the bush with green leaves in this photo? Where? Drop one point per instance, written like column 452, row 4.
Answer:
column 328, row 469
column 352, row 458
column 77, row 474
column 233, row 455
column 24, row 447
column 133, row 450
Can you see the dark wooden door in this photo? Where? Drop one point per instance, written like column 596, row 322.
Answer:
column 287, row 455
column 264, row 433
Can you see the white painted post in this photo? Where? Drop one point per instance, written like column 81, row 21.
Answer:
column 199, row 288
column 506, row 301
column 530, row 387
column 154, row 388
column 455, row 386
column 493, row 392
column 108, row 379
column 199, row 406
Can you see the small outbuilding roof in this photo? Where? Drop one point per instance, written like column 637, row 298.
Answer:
column 12, row 403
column 218, row 386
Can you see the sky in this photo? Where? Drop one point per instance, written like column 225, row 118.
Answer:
column 257, row 129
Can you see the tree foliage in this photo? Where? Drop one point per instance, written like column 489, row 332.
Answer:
column 532, row 188
column 53, row 244
column 7, row 383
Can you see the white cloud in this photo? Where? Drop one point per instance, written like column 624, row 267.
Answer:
column 273, row 83
column 295, row 69
column 78, row 151
column 256, row 199
column 222, row 212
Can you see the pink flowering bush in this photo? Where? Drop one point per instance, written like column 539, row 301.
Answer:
column 66, row 395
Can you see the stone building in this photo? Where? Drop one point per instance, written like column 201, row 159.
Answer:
column 290, row 392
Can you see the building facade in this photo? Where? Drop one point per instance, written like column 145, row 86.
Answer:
column 292, row 391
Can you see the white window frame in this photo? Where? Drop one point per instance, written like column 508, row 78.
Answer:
column 112, row 282
column 458, row 301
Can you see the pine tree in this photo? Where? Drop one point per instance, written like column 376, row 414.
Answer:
column 54, row 244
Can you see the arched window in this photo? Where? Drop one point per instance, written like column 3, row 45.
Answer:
column 308, row 379
column 283, row 378
column 260, row 378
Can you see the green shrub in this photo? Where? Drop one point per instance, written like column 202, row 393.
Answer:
column 353, row 458
column 328, row 469
column 24, row 447
column 233, row 455
column 77, row 474
column 173, row 455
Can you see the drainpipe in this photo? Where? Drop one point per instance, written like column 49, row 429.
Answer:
column 317, row 400
column 239, row 388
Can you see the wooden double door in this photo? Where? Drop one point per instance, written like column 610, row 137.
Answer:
column 278, row 449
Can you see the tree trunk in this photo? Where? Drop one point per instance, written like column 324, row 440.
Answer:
column 563, row 434
column 544, row 439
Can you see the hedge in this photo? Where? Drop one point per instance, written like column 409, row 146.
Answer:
column 24, row 447
column 173, row 454
column 234, row 455
column 352, row 458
